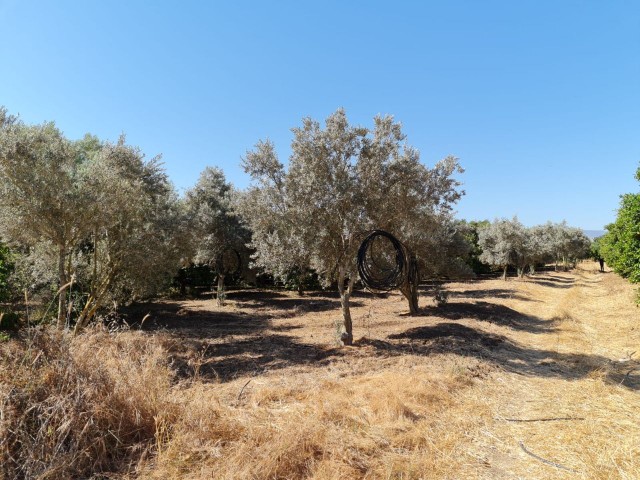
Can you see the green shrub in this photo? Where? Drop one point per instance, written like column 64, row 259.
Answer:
column 6, row 268
column 620, row 247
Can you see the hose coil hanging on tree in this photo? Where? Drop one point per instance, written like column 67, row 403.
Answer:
column 229, row 262
column 384, row 271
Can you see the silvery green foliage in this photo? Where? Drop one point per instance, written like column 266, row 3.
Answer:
column 342, row 181
column 444, row 249
column 414, row 202
column 540, row 244
column 214, row 223
column 98, row 214
column 508, row 242
column 42, row 194
column 281, row 236
column 568, row 244
column 136, row 223
column 503, row 243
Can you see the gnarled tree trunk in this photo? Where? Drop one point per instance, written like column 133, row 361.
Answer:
column 62, row 281
column 410, row 292
column 346, row 337
column 220, row 291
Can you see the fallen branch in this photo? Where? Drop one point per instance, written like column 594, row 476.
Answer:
column 545, row 461
column 550, row 419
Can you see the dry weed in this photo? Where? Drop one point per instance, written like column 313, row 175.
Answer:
column 76, row 407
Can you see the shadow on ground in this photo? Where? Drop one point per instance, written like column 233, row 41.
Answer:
column 491, row 313
column 316, row 301
column 502, row 352
column 553, row 282
column 222, row 346
column 491, row 293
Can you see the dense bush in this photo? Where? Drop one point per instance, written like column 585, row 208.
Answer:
column 473, row 258
column 6, row 267
column 90, row 214
column 620, row 246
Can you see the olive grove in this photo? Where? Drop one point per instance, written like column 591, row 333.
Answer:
column 341, row 181
column 506, row 243
column 215, row 227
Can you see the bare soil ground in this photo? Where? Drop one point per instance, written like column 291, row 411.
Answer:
column 532, row 378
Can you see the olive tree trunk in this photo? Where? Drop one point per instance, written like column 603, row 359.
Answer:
column 62, row 281
column 410, row 292
column 220, row 291
column 346, row 337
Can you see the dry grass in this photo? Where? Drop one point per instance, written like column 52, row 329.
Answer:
column 383, row 425
column 72, row 407
column 259, row 390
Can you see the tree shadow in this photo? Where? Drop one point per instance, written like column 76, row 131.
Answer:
column 550, row 283
column 491, row 313
column 549, row 278
column 311, row 301
column 221, row 346
column 503, row 352
column 175, row 317
column 253, row 355
column 491, row 293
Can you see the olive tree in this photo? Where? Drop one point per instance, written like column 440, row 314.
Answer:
column 508, row 242
column 503, row 243
column 539, row 245
column 42, row 194
column 136, row 228
column 341, row 182
column 279, row 237
column 568, row 244
column 214, row 223
column 403, row 196
column 99, row 215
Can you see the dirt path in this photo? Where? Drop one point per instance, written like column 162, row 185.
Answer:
column 579, row 419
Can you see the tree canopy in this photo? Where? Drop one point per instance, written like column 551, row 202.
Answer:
column 97, row 214
column 507, row 243
column 342, row 181
column 620, row 246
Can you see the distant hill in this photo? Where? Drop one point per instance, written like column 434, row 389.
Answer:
column 594, row 233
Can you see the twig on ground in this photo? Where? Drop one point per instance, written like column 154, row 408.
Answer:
column 146, row 317
column 550, row 419
column 544, row 460
column 626, row 376
column 242, row 389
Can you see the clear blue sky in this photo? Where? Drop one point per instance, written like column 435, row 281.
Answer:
column 540, row 100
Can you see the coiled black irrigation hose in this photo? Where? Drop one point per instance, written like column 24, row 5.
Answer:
column 382, row 268
column 229, row 262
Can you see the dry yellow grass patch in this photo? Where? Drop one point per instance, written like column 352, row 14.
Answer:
column 534, row 378
column 383, row 425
